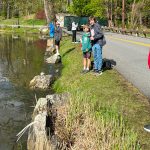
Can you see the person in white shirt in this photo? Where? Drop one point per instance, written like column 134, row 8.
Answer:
column 74, row 29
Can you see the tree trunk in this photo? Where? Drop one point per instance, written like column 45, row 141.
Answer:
column 123, row 14
column 46, row 11
column 140, row 19
column 115, row 14
column 1, row 5
column 52, row 10
column 133, row 14
column 111, row 13
column 109, row 16
column 8, row 10
column 49, row 10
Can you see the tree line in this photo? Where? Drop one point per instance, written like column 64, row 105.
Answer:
column 119, row 13
column 15, row 8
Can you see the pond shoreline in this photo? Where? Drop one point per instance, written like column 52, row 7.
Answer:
column 18, row 65
column 29, row 29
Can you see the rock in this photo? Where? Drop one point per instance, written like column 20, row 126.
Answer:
column 42, row 73
column 50, row 49
column 43, row 134
column 56, row 58
column 43, row 30
column 57, row 99
column 41, row 81
column 41, row 104
column 50, row 42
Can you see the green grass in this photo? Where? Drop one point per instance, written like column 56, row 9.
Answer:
column 22, row 21
column 116, row 108
column 19, row 30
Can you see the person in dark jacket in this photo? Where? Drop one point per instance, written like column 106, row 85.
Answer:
column 57, row 36
column 97, row 43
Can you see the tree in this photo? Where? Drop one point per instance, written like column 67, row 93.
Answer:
column 51, row 7
column 80, row 7
column 123, row 14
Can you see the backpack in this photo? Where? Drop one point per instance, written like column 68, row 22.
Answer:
column 103, row 41
column 106, row 64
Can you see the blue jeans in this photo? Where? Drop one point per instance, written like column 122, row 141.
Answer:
column 97, row 53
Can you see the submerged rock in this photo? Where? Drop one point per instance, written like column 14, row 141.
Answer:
column 41, row 81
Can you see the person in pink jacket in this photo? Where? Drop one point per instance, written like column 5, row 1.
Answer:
column 149, row 59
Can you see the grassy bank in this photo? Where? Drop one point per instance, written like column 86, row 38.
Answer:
column 105, row 112
column 22, row 21
column 19, row 30
column 27, row 20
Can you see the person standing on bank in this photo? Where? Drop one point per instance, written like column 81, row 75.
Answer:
column 74, row 30
column 97, row 43
column 57, row 37
column 50, row 41
column 86, row 49
column 51, row 30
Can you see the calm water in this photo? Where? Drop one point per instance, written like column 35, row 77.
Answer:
column 20, row 60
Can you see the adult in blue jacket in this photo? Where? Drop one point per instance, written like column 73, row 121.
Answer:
column 51, row 30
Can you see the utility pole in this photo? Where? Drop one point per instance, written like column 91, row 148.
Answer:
column 123, row 14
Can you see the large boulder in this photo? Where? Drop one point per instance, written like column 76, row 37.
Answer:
column 44, row 30
column 45, row 134
column 41, row 81
column 54, row 59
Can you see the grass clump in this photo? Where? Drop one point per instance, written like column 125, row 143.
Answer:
column 98, row 129
column 103, row 111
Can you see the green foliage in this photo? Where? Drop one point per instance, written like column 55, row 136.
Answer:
column 88, row 8
column 112, row 10
column 34, row 22
column 97, row 8
column 136, row 11
column 78, row 7
column 12, row 8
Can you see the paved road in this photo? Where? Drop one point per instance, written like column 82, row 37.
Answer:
column 130, row 54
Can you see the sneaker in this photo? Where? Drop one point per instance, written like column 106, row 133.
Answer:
column 98, row 73
column 87, row 71
column 94, row 70
column 83, row 71
column 147, row 128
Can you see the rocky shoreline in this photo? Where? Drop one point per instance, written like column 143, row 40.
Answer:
column 44, row 129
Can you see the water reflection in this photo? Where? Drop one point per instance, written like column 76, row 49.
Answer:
column 20, row 60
